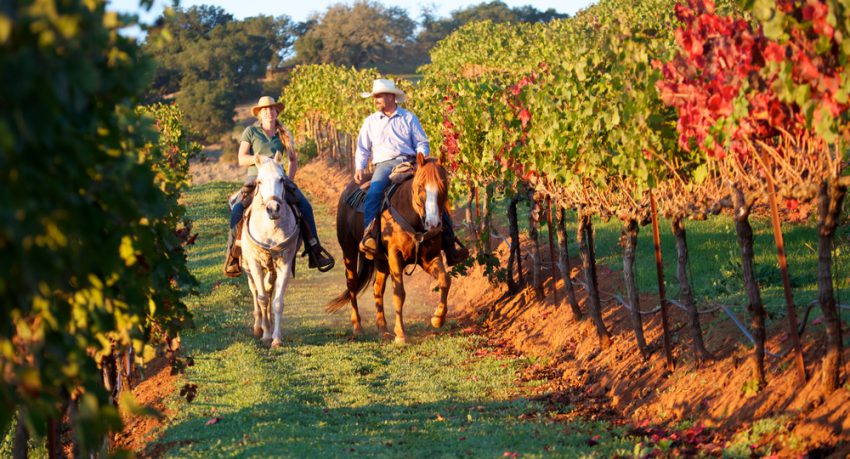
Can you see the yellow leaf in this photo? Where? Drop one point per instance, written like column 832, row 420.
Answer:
column 5, row 28
column 127, row 252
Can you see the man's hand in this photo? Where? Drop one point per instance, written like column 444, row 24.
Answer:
column 358, row 176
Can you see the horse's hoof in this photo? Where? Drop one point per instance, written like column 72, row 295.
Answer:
column 258, row 332
column 277, row 344
column 266, row 341
column 401, row 340
column 437, row 322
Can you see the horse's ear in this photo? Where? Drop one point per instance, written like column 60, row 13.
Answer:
column 258, row 160
column 420, row 159
column 278, row 158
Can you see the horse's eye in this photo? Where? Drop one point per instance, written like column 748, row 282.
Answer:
column 280, row 180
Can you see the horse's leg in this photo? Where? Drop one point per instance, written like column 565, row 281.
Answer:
column 380, row 287
column 258, row 325
column 268, row 285
column 438, row 271
column 396, row 274
column 350, row 261
column 282, row 281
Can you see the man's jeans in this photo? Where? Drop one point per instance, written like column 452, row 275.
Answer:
column 380, row 182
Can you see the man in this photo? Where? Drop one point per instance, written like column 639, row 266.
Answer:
column 391, row 136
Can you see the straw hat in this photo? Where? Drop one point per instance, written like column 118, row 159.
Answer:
column 382, row 86
column 264, row 102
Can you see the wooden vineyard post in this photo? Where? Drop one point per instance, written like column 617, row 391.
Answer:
column 552, row 251
column 659, row 266
column 783, row 266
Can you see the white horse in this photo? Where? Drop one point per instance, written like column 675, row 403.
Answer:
column 269, row 243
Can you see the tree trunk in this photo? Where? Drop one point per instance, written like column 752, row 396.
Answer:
column 470, row 218
column 53, row 443
column 20, row 446
column 487, row 220
column 588, row 260
column 830, row 197
column 514, row 251
column 564, row 263
column 686, row 295
column 754, row 304
column 533, row 219
column 628, row 240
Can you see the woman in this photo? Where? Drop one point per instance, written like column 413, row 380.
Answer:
column 265, row 137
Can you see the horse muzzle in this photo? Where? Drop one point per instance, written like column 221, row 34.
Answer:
column 273, row 207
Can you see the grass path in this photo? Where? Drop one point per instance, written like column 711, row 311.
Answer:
column 323, row 395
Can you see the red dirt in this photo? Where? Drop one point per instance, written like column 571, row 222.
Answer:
column 152, row 391
column 616, row 384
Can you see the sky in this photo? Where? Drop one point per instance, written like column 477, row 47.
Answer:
column 300, row 10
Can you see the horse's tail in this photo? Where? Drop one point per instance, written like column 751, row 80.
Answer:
column 365, row 273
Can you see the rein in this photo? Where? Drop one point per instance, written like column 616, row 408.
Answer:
column 418, row 236
column 273, row 250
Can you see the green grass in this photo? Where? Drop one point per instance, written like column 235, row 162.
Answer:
column 323, row 394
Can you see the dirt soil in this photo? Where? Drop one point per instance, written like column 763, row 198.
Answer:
column 158, row 384
column 615, row 383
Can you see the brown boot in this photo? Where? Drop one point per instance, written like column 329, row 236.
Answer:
column 369, row 245
column 232, row 266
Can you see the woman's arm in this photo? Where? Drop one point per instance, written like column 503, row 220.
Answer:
column 245, row 158
column 291, row 153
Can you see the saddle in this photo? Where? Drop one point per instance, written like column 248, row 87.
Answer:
column 399, row 175
column 246, row 196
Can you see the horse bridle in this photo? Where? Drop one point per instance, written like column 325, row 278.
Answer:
column 418, row 236
column 278, row 199
column 278, row 248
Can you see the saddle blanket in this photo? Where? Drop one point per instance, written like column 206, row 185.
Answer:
column 399, row 175
column 356, row 200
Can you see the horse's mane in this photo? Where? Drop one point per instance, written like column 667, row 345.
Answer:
column 430, row 172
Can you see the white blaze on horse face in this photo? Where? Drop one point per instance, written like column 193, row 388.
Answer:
column 270, row 178
column 432, row 210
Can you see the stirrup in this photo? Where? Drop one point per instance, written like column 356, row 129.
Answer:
column 369, row 250
column 456, row 255
column 323, row 254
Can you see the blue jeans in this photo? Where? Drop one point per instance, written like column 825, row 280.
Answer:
column 380, row 182
column 303, row 205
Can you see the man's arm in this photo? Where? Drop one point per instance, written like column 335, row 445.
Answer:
column 363, row 153
column 420, row 140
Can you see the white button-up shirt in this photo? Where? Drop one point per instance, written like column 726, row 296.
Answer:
column 383, row 137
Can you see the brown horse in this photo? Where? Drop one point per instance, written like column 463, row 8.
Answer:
column 410, row 234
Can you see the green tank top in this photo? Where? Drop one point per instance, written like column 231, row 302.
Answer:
column 261, row 144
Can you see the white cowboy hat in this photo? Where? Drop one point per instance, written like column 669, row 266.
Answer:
column 382, row 86
column 264, row 102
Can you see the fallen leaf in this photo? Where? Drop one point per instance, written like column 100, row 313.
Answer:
column 439, row 418
column 213, row 421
